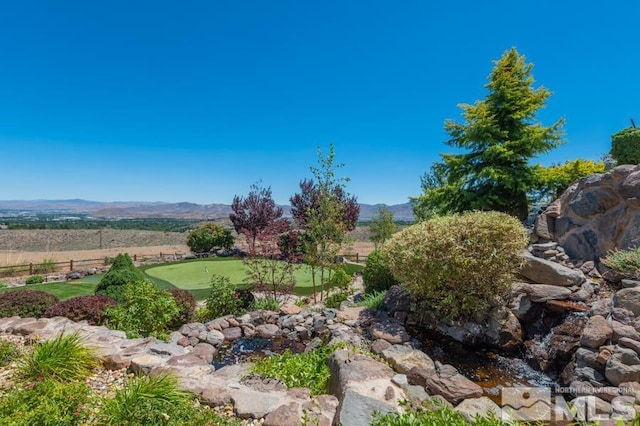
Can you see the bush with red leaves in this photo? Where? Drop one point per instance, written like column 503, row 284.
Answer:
column 187, row 305
column 90, row 308
column 26, row 303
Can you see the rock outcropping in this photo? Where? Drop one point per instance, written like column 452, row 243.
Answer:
column 596, row 214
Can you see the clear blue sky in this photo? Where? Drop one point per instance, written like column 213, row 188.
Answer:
column 195, row 101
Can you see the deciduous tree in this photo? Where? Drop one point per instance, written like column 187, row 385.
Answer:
column 501, row 136
column 325, row 212
column 209, row 237
column 254, row 214
column 382, row 226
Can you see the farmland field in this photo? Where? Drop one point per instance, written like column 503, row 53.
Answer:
column 18, row 247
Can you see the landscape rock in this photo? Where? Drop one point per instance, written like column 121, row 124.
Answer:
column 542, row 271
column 357, row 409
column 623, row 366
column 596, row 332
column 472, row 407
column 404, row 358
column 628, row 298
column 451, row 385
column 595, row 215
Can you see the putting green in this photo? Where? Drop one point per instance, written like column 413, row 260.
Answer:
column 197, row 274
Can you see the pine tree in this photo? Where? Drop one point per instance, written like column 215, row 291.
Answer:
column 501, row 136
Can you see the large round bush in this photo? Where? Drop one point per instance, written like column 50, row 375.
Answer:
column 457, row 265
column 26, row 303
column 89, row 308
column 376, row 274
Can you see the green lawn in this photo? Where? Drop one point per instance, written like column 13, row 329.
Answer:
column 196, row 275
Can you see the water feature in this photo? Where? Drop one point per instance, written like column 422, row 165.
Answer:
column 249, row 349
column 490, row 370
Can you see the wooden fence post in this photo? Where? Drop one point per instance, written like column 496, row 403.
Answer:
column 357, row 257
column 71, row 265
column 31, row 268
column 135, row 257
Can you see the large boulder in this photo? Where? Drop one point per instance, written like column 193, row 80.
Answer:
column 542, row 271
column 596, row 214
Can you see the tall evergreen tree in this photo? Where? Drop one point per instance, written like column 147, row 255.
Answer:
column 501, row 136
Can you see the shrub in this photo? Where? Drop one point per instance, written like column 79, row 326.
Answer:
column 47, row 402
column 209, row 237
column 625, row 146
column 457, row 265
column 305, row 370
column 8, row 352
column 157, row 400
column 626, row 262
column 34, row 279
column 340, row 279
column 373, row 300
column 89, row 308
column 121, row 273
column 145, row 311
column 442, row 416
column 3, row 284
column 25, row 303
column 47, row 266
column 63, row 358
column 376, row 275
column 336, row 299
column 223, row 299
column 186, row 307
column 266, row 304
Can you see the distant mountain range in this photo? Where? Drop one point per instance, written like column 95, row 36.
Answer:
column 184, row 210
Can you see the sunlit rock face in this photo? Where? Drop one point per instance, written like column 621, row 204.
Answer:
column 596, row 214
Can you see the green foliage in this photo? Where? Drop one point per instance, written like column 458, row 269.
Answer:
column 382, row 226
column 443, row 416
column 25, row 303
column 63, row 358
column 186, row 307
column 209, row 237
column 223, row 299
column 266, row 304
column 157, row 400
column 47, row 266
column 626, row 262
column 554, row 180
column 4, row 284
column 9, row 352
column 47, row 403
column 325, row 212
column 305, row 370
column 376, row 275
column 625, row 146
column 501, row 137
column 457, row 265
column 121, row 273
column 335, row 299
column 145, row 311
column 373, row 300
column 340, row 279
column 34, row 279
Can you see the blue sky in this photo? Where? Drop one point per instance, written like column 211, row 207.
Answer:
column 196, row 100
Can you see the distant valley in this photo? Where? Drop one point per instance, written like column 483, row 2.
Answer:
column 184, row 210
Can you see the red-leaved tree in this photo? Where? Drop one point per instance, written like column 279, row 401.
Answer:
column 257, row 214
